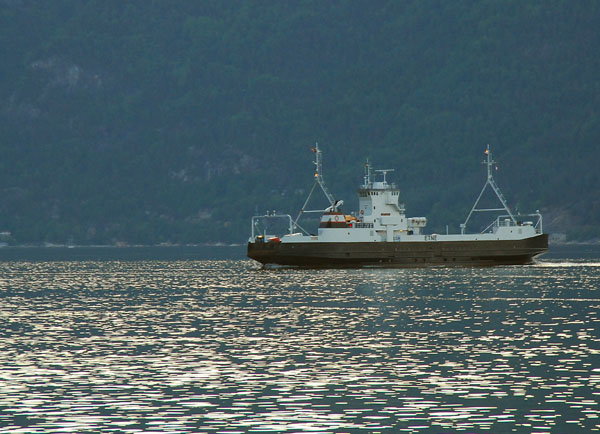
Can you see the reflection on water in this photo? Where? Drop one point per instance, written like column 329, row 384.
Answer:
column 224, row 347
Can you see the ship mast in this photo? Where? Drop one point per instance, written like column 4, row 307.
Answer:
column 319, row 173
column 490, row 181
column 367, row 173
column 321, row 183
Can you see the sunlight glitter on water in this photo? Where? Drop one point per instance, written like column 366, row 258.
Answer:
column 220, row 346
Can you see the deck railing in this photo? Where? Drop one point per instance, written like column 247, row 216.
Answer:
column 505, row 220
column 264, row 219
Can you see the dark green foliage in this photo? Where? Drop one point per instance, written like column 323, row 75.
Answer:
column 149, row 121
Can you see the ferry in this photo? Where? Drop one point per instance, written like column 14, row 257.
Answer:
column 380, row 234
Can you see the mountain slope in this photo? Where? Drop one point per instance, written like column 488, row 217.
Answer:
column 147, row 121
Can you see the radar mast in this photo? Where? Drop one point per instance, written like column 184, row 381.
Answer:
column 490, row 181
column 321, row 183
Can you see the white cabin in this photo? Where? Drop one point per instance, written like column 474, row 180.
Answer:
column 380, row 217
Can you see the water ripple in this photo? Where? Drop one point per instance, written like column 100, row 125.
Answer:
column 221, row 346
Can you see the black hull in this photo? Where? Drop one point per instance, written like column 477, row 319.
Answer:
column 400, row 254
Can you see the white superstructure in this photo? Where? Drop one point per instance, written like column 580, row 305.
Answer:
column 381, row 217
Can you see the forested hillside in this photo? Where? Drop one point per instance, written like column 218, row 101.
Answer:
column 145, row 122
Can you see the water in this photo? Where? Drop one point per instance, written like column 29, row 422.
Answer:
column 186, row 344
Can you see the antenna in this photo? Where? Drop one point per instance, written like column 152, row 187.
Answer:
column 490, row 181
column 385, row 172
column 367, row 173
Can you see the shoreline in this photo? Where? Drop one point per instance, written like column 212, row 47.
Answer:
column 114, row 246
column 217, row 244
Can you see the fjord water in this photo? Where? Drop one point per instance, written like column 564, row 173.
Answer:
column 131, row 344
